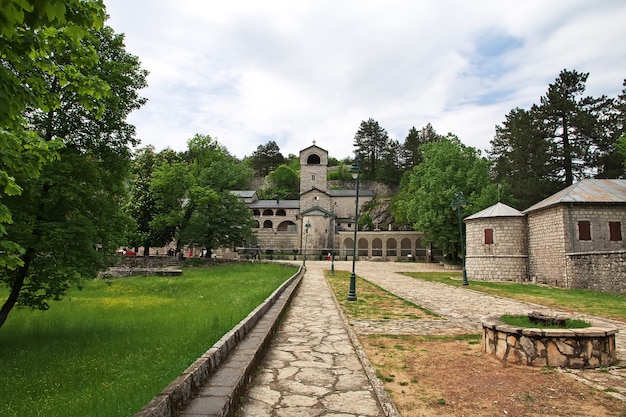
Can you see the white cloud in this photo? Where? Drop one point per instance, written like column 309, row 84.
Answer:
column 247, row 72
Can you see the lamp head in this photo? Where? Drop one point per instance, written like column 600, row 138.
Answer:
column 355, row 170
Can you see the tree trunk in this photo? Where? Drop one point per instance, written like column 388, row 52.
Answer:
column 567, row 154
column 16, row 287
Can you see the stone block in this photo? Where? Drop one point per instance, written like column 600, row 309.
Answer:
column 565, row 347
column 555, row 357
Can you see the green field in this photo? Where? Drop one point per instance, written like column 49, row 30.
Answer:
column 109, row 348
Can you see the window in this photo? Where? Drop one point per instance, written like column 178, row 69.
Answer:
column 584, row 230
column 615, row 231
column 488, row 236
column 313, row 177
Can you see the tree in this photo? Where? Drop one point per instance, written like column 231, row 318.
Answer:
column 150, row 171
column 448, row 167
column 523, row 158
column 69, row 219
column 193, row 203
column 390, row 166
column 412, row 155
column 283, row 183
column 607, row 159
column 370, row 142
column 169, row 186
column 213, row 216
column 266, row 158
column 571, row 124
column 220, row 220
column 28, row 35
column 566, row 136
column 621, row 148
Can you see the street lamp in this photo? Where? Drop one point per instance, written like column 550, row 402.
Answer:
column 355, row 170
column 333, row 226
column 458, row 203
column 307, row 226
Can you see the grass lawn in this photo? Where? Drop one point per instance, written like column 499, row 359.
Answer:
column 374, row 303
column 110, row 348
column 595, row 303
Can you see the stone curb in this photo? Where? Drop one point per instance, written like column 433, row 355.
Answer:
column 384, row 400
column 179, row 393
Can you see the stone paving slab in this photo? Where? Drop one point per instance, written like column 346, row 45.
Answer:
column 312, row 367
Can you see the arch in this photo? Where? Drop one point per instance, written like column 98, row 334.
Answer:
column 405, row 247
column 268, row 212
column 392, row 247
column 363, row 246
column 377, row 247
column 313, row 159
column 287, row 226
column 348, row 246
column 256, row 224
column 267, row 224
column 256, row 212
column 281, row 212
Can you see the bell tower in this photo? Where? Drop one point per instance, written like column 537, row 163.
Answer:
column 313, row 168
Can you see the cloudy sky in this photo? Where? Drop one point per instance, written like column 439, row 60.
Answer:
column 247, row 72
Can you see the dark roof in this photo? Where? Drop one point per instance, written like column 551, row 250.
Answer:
column 588, row 191
column 497, row 210
column 244, row 193
column 274, row 204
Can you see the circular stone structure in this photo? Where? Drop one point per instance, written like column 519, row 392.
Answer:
column 591, row 347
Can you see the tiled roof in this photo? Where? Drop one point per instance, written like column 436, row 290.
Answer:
column 244, row 193
column 588, row 191
column 273, row 204
column 497, row 210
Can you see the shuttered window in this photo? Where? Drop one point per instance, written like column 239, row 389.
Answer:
column 584, row 230
column 615, row 231
column 488, row 236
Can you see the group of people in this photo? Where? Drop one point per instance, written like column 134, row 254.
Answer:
column 180, row 255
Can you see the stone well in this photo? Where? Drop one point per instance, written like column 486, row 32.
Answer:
column 591, row 347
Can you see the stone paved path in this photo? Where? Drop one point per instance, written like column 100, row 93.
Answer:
column 313, row 370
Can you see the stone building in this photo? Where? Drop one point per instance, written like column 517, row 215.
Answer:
column 497, row 245
column 574, row 238
column 323, row 219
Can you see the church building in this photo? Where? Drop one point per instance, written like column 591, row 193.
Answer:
column 322, row 221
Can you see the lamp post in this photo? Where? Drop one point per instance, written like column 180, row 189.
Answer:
column 307, row 226
column 332, row 256
column 457, row 204
column 355, row 170
column 333, row 232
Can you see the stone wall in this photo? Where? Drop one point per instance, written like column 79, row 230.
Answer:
column 506, row 258
column 592, row 347
column 148, row 261
column 598, row 271
column 599, row 217
column 378, row 188
column 497, row 268
column 547, row 234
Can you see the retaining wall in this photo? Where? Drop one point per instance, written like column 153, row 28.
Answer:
column 597, row 271
column 175, row 397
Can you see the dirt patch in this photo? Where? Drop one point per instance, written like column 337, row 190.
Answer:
column 444, row 376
